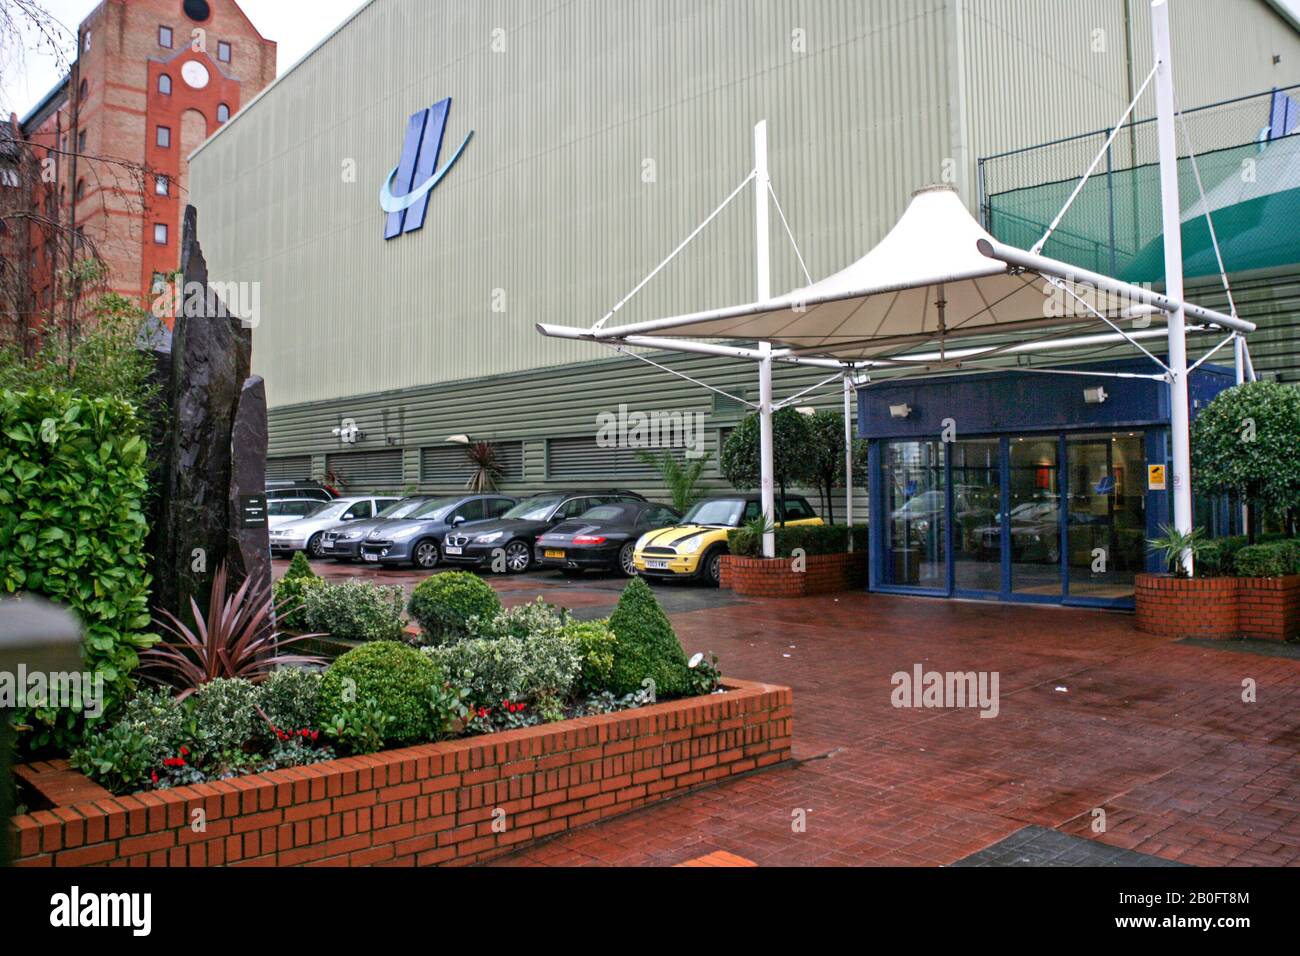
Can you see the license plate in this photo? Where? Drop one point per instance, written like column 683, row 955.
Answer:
column 450, row 550
column 657, row 564
column 372, row 557
column 554, row 554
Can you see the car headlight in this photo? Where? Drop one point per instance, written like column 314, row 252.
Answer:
column 489, row 538
column 642, row 541
column 405, row 534
column 350, row 535
column 692, row 545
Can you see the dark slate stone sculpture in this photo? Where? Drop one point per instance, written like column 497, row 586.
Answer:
column 210, row 356
column 249, row 548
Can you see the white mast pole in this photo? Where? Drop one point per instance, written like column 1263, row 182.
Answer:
column 763, row 275
column 1179, row 417
column 848, row 454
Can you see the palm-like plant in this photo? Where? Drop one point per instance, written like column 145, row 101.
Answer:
column 236, row 639
column 487, row 467
column 682, row 478
column 1172, row 543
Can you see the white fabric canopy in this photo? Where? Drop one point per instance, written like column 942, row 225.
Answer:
column 926, row 283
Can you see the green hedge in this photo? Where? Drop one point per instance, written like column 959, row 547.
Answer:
column 72, row 528
column 812, row 538
column 1272, row 559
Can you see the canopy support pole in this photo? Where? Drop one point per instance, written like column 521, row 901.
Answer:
column 763, row 274
column 1179, row 415
column 848, row 454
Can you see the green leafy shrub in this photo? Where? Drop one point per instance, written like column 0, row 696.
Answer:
column 511, row 668
column 596, row 645
column 452, row 606
column 291, row 591
column 361, row 728
column 288, row 699
column 225, row 716
column 354, row 610
column 523, row 621
column 812, row 538
column 646, row 645
column 119, row 758
column 73, row 480
column 387, row 677
column 1272, row 559
column 1217, row 556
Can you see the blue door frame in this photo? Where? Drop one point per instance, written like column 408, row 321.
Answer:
column 1155, row 442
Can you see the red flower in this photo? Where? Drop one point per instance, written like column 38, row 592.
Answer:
column 154, row 776
column 314, row 735
column 185, row 751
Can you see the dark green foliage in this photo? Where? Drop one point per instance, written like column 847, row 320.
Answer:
column 1272, row 559
column 825, row 463
column 119, row 758
column 291, row 591
column 813, row 539
column 1217, row 556
column 646, row 645
column 1244, row 442
column 288, row 700
column 791, row 451
column 72, row 528
column 597, row 645
column 450, row 605
column 354, row 610
column 385, row 676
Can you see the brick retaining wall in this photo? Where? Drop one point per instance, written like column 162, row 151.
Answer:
column 1219, row 607
column 429, row 804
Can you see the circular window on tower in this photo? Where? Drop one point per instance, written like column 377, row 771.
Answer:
column 195, row 74
column 197, row 10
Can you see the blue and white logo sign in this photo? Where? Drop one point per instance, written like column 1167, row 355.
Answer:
column 405, row 195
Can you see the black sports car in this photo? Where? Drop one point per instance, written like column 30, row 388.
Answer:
column 506, row 543
column 603, row 537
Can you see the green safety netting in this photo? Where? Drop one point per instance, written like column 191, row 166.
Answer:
column 1114, row 227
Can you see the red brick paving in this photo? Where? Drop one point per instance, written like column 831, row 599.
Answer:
column 1153, row 732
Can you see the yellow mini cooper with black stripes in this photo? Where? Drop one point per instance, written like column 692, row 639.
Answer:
column 694, row 548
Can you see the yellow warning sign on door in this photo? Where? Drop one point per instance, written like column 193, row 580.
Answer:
column 1155, row 477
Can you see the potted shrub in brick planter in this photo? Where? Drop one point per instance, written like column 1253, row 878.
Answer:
column 1238, row 590
column 811, row 559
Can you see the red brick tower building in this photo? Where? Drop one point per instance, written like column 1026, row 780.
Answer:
column 152, row 80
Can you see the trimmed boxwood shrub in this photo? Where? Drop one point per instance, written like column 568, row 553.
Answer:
column 812, row 538
column 646, row 645
column 392, row 678
column 290, row 592
column 449, row 606
column 72, row 528
column 1273, row 559
column 354, row 610
column 596, row 645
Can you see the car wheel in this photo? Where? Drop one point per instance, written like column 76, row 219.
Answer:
column 1053, row 551
column 425, row 555
column 711, row 567
column 626, row 564
column 519, row 556
column 315, row 545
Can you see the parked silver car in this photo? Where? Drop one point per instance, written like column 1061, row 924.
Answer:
column 308, row 533
column 343, row 542
column 280, row 511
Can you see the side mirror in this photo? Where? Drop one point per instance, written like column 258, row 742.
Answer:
column 457, row 521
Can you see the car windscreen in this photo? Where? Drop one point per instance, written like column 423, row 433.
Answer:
column 400, row 509
column 333, row 509
column 290, row 506
column 436, row 508
column 725, row 511
column 534, row 509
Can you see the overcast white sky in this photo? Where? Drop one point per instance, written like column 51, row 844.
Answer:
column 296, row 25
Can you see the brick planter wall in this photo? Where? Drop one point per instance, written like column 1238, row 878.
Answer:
column 1219, row 607
column 776, row 577
column 429, row 804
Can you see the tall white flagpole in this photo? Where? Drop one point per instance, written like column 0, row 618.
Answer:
column 763, row 274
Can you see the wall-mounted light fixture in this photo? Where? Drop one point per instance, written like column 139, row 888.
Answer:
column 1095, row 396
column 457, row 439
column 806, row 410
column 900, row 411
column 348, row 432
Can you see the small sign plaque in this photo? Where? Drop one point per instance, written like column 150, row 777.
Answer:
column 1155, row 477
column 252, row 511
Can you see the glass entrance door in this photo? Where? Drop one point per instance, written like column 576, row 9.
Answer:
column 1034, row 516
column 916, row 516
column 1107, row 517
column 976, row 515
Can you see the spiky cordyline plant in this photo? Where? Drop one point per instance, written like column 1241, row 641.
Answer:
column 236, row 639
column 482, row 456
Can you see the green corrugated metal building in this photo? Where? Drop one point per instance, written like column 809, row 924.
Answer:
column 603, row 132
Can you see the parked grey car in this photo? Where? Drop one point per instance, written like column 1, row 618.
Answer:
column 417, row 539
column 343, row 542
column 308, row 534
